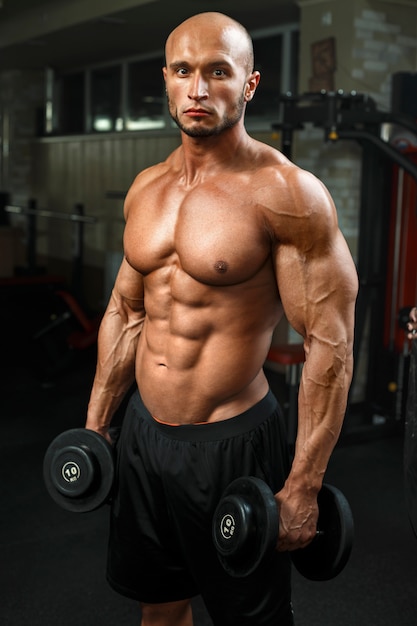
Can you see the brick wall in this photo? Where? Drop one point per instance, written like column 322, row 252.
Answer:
column 381, row 47
column 377, row 44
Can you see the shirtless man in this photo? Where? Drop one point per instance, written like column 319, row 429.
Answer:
column 220, row 240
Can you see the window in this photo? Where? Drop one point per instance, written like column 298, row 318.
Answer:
column 106, row 109
column 130, row 95
column 268, row 53
column 145, row 95
column 276, row 58
column 71, row 104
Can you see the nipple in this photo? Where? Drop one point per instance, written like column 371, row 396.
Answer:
column 221, row 267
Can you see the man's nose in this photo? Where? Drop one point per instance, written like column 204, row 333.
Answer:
column 198, row 88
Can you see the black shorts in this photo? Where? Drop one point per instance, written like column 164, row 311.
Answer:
column 169, row 480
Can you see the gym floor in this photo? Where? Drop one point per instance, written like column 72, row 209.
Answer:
column 53, row 562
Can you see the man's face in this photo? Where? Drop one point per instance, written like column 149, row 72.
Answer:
column 206, row 80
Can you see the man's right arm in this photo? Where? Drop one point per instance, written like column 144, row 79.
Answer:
column 117, row 342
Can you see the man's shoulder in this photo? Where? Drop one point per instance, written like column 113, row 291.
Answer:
column 287, row 191
column 274, row 166
column 275, row 171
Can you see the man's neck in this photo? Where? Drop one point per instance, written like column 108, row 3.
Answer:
column 202, row 156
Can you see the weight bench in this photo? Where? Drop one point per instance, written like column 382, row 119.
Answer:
column 293, row 356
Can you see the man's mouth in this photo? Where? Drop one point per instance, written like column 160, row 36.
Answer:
column 196, row 113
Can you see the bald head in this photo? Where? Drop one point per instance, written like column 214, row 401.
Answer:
column 204, row 27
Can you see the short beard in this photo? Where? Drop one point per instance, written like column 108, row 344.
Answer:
column 228, row 121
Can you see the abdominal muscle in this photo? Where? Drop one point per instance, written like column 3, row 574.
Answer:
column 205, row 364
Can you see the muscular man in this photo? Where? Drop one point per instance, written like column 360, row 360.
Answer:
column 220, row 240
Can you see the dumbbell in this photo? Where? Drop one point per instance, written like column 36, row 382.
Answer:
column 78, row 470
column 245, row 531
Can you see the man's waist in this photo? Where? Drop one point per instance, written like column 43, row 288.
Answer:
column 209, row 431
column 194, row 396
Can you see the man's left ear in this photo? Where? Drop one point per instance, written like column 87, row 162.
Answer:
column 251, row 85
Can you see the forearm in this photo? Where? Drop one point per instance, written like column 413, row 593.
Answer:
column 115, row 372
column 323, row 395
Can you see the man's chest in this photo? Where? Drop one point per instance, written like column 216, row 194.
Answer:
column 216, row 234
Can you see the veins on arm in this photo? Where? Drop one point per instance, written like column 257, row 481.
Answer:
column 124, row 317
column 317, row 282
column 117, row 342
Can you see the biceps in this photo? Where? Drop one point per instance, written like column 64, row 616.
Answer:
column 318, row 293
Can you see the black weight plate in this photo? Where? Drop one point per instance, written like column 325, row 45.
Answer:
column 235, row 525
column 410, row 441
column 78, row 470
column 326, row 556
column 245, row 525
column 73, row 470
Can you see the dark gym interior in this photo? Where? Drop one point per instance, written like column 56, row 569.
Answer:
column 65, row 166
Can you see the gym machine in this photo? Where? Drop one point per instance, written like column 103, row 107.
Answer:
column 78, row 220
column 58, row 328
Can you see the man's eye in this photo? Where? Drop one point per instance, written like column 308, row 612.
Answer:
column 182, row 71
column 219, row 73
